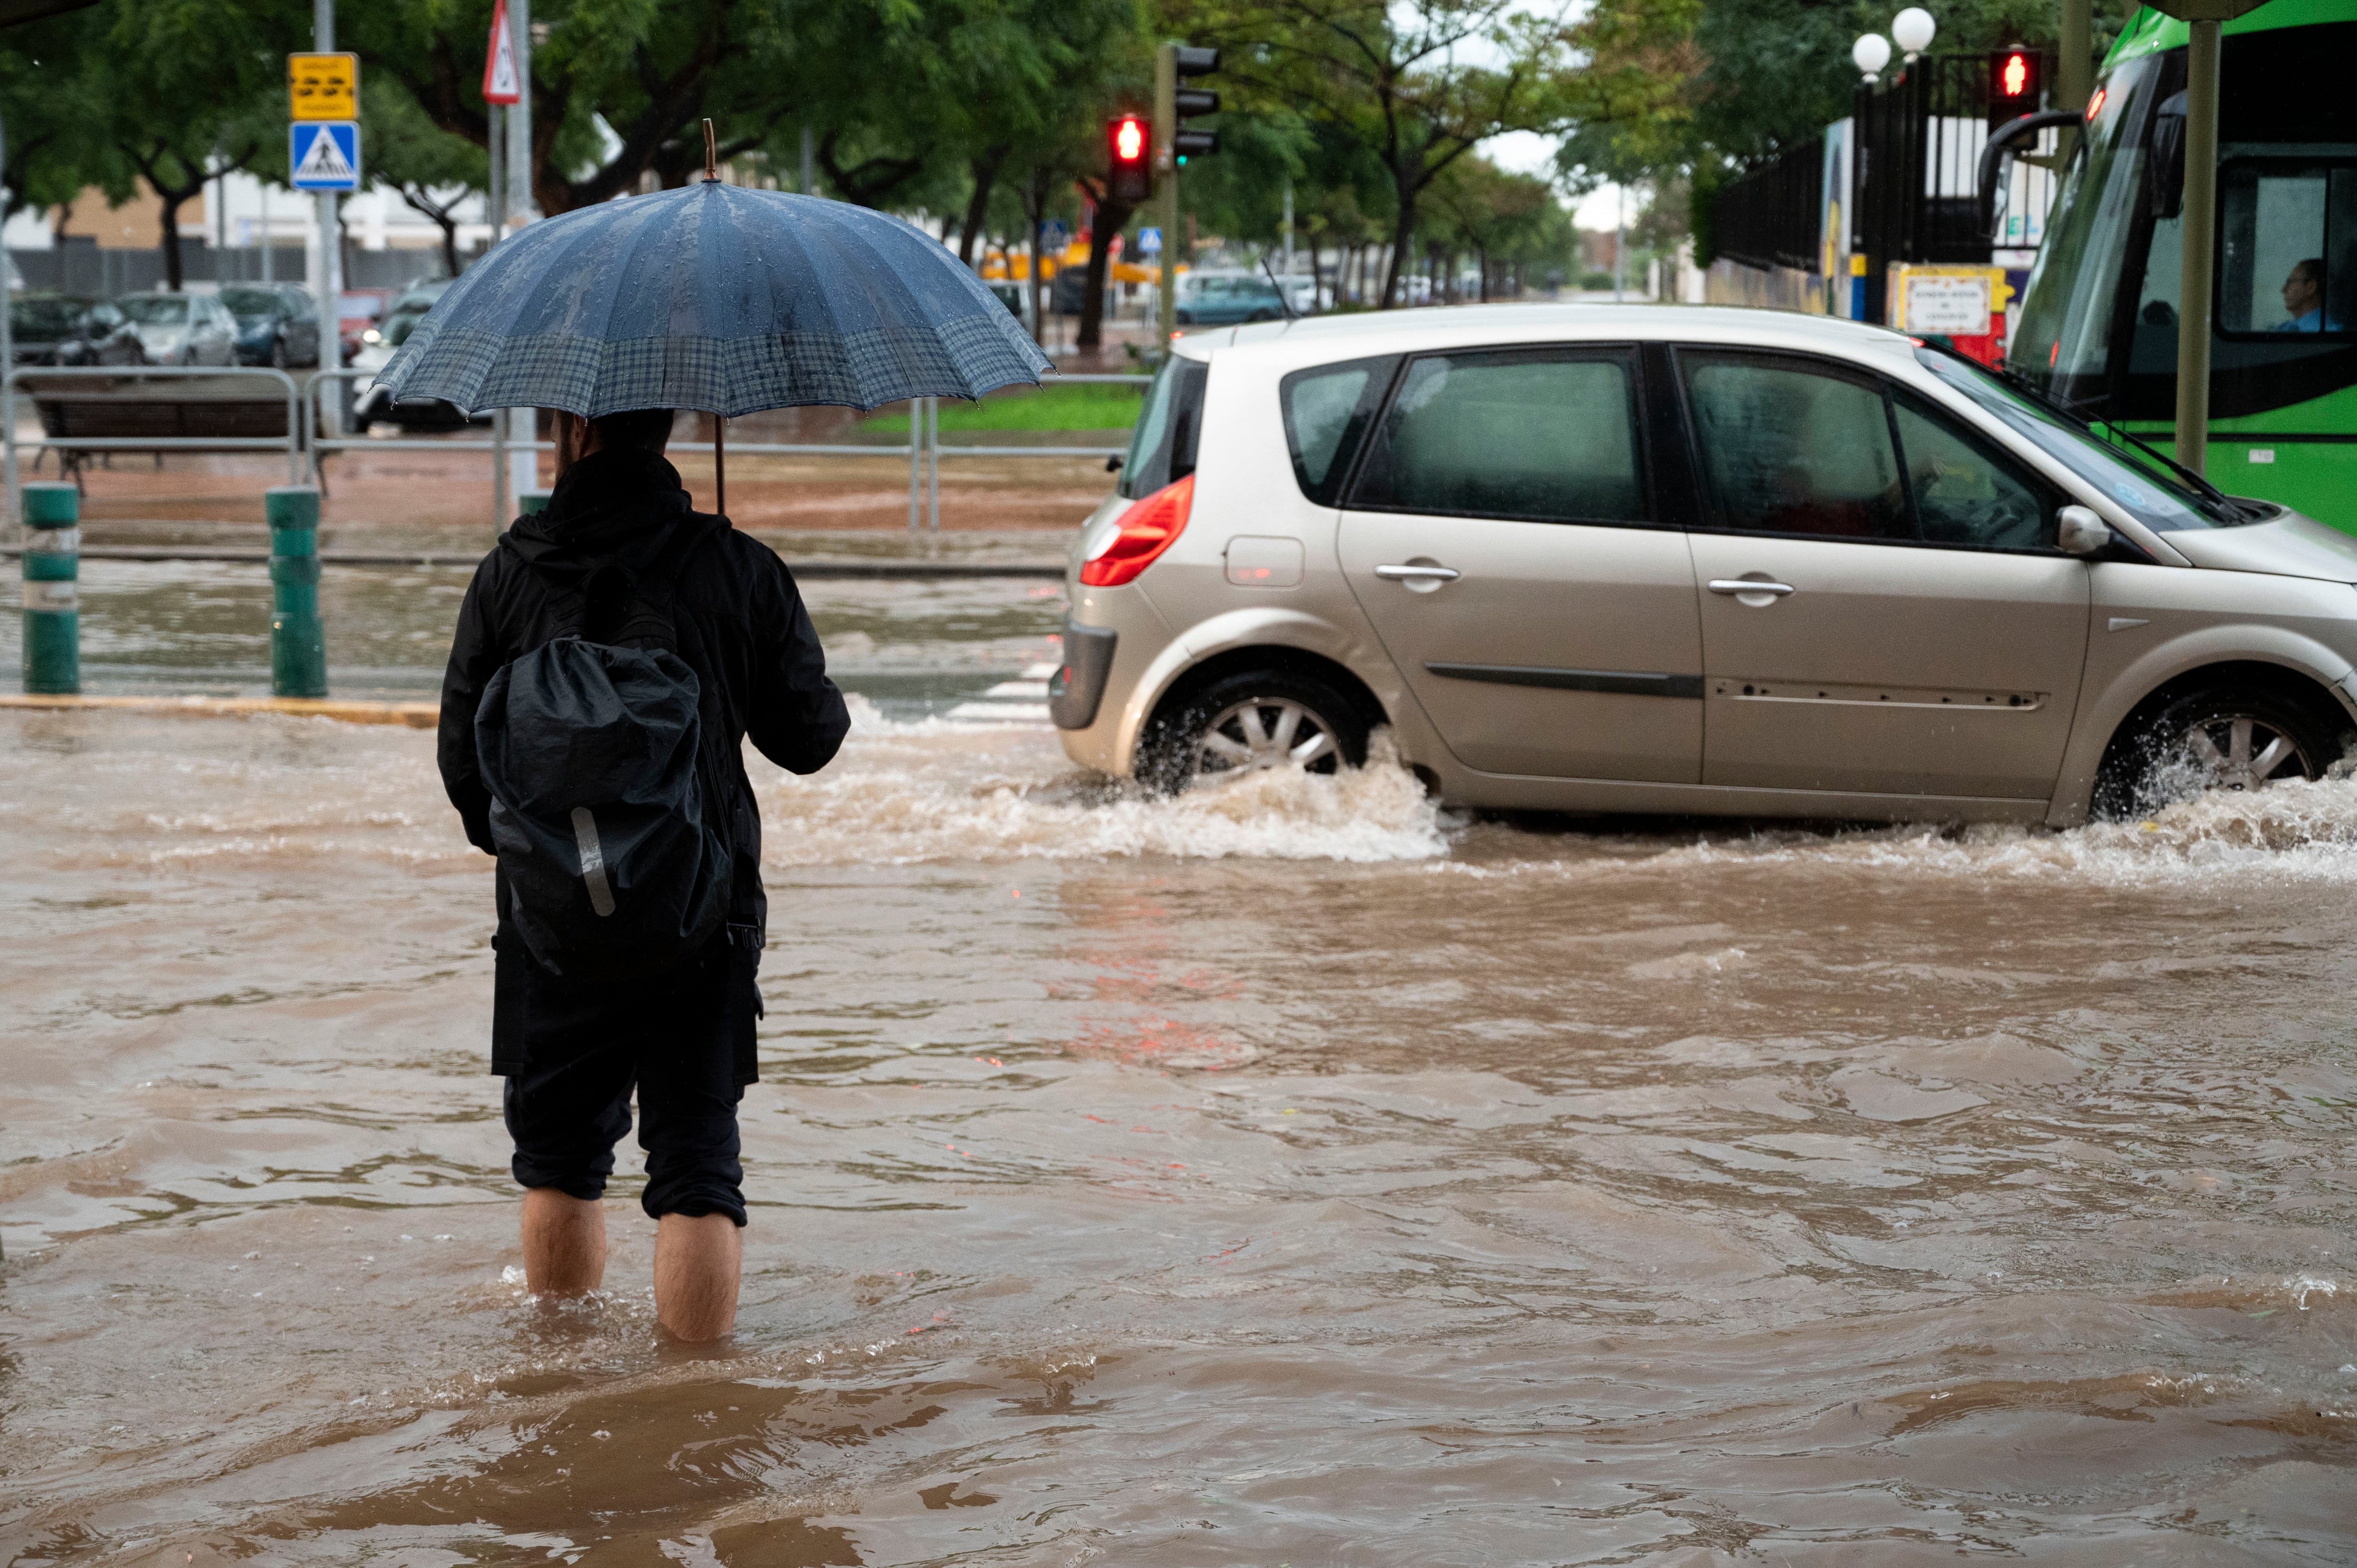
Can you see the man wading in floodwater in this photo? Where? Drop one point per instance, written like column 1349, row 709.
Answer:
column 612, row 655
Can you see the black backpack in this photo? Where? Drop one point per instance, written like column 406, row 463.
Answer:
column 610, row 826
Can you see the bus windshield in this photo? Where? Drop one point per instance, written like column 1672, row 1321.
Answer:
column 2140, row 486
column 2065, row 332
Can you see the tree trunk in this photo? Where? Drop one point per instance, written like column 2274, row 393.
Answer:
column 171, row 242
column 977, row 206
column 1402, row 237
column 1109, row 218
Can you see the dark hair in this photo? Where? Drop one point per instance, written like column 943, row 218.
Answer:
column 2311, row 269
column 637, row 429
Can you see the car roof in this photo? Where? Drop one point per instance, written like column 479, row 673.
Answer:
column 1318, row 339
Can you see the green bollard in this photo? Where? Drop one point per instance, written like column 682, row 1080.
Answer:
column 532, row 504
column 52, row 592
column 298, row 645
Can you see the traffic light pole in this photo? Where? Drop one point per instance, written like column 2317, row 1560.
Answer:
column 1165, row 190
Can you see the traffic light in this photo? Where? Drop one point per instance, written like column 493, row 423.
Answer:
column 1129, row 148
column 1186, row 100
column 2016, row 83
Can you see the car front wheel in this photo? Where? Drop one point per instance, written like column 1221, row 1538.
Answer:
column 2214, row 738
column 1255, row 721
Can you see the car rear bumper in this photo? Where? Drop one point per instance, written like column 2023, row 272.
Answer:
column 1077, row 689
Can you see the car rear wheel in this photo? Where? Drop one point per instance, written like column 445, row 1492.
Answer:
column 2214, row 738
column 1255, row 721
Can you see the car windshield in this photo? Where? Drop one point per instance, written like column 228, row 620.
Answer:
column 2134, row 481
column 251, row 301
column 154, row 310
column 46, row 317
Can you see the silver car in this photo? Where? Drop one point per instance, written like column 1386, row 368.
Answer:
column 1612, row 558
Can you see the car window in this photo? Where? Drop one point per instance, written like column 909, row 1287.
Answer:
column 1327, row 413
column 1786, row 448
column 1162, row 451
column 1541, row 435
column 2129, row 478
column 2287, row 247
column 253, row 301
column 1965, row 494
column 155, row 310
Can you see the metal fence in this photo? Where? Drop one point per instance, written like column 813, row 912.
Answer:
column 290, row 440
column 1768, row 217
column 314, row 432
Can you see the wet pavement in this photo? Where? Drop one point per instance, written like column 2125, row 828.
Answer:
column 1290, row 1173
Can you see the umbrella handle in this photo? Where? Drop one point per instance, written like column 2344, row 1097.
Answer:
column 720, row 465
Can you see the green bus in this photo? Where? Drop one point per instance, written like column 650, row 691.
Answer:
column 2098, row 322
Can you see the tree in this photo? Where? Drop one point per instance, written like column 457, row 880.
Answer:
column 1419, row 84
column 48, row 105
column 186, row 91
column 647, row 72
column 1494, row 214
column 434, row 171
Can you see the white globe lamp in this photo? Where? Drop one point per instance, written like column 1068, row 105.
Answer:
column 1871, row 54
column 1913, row 30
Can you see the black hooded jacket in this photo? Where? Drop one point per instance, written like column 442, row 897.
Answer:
column 739, row 623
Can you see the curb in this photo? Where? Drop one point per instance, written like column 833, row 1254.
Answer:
column 414, row 716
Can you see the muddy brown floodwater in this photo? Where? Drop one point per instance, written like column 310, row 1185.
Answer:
column 1289, row 1174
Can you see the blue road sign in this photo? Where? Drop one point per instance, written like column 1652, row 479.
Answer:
column 324, row 154
column 1149, row 242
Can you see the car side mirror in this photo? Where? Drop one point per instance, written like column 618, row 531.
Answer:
column 2079, row 531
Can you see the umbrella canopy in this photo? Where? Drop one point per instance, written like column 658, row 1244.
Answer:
column 713, row 297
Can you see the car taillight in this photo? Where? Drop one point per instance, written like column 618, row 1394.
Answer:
column 1144, row 531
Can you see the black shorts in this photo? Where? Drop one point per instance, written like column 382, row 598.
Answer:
column 573, row 1054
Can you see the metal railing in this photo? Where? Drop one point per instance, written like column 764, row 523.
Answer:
column 312, row 432
column 290, row 442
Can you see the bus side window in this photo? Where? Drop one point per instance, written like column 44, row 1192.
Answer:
column 2288, row 250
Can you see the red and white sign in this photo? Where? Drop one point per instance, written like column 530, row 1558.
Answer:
column 500, row 84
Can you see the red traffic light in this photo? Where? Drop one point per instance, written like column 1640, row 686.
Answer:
column 1129, row 140
column 1126, row 135
column 2016, row 83
column 2013, row 80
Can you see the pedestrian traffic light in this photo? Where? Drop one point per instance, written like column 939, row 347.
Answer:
column 1186, row 100
column 1129, row 145
column 2015, row 82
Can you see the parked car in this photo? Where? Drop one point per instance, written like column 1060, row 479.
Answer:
column 1224, row 299
column 358, row 310
column 155, row 330
column 277, row 324
column 1634, row 558
column 41, row 324
column 371, row 402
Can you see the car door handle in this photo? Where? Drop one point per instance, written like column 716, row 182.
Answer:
column 1745, row 586
column 1424, row 574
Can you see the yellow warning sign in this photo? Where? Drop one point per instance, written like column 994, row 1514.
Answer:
column 323, row 87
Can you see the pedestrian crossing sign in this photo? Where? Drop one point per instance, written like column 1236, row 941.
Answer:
column 324, row 154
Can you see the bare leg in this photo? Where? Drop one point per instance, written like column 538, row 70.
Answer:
column 563, row 1242
column 697, row 1258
